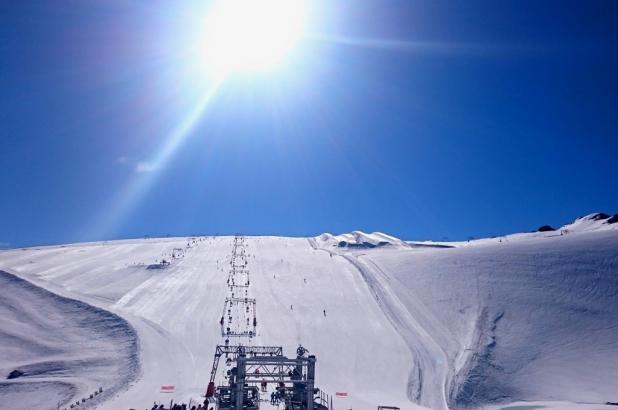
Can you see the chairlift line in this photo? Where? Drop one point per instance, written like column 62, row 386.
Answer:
column 248, row 365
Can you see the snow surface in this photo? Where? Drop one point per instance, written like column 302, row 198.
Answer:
column 65, row 349
column 531, row 319
column 596, row 222
column 358, row 239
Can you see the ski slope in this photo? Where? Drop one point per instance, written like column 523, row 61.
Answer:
column 481, row 324
column 63, row 347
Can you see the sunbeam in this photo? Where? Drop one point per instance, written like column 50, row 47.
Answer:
column 138, row 186
column 423, row 46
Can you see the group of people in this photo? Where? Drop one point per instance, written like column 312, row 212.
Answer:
column 182, row 406
column 276, row 397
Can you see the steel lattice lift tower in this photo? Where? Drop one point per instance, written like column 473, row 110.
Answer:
column 294, row 377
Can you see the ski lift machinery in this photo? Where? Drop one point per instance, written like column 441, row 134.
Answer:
column 294, row 377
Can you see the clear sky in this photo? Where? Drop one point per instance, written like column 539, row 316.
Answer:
column 422, row 119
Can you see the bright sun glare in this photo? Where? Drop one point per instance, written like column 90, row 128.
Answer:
column 248, row 35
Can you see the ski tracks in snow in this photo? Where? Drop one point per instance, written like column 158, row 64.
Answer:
column 428, row 377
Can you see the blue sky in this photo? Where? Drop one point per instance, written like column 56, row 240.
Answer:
column 422, row 119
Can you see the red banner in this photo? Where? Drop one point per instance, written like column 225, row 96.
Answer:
column 341, row 394
column 168, row 389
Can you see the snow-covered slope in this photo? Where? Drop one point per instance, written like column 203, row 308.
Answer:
column 528, row 320
column 59, row 350
column 176, row 311
column 358, row 239
column 490, row 322
column 593, row 222
column 597, row 222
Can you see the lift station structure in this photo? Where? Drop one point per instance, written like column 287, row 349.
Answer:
column 253, row 368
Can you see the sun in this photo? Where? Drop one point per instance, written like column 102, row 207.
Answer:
column 249, row 35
